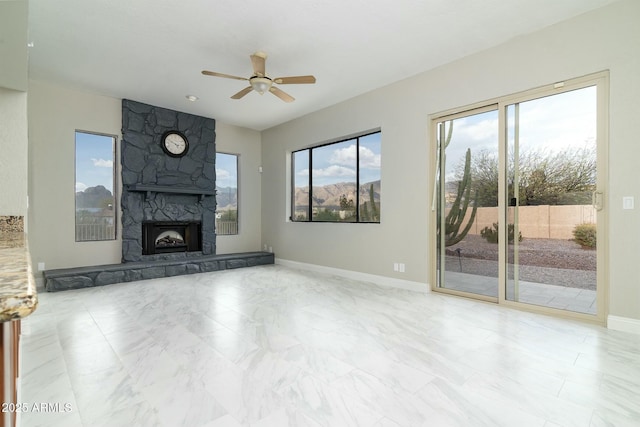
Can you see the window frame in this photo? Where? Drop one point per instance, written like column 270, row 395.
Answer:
column 601, row 81
column 356, row 138
column 237, row 156
column 114, row 182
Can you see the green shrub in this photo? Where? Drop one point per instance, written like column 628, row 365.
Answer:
column 491, row 234
column 585, row 235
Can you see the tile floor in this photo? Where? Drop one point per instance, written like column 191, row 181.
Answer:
column 273, row 346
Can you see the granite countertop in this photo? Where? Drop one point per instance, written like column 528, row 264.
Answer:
column 18, row 296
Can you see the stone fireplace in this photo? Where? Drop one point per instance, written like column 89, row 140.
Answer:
column 168, row 205
column 160, row 188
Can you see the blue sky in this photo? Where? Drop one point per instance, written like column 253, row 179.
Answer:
column 336, row 163
column 226, row 170
column 94, row 161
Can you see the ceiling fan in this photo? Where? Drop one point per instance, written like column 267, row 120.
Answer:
column 261, row 82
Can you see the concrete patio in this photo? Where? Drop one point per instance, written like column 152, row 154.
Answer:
column 554, row 296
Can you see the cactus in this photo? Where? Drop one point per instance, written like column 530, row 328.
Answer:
column 374, row 209
column 453, row 227
column 369, row 210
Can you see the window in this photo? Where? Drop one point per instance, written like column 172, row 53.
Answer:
column 337, row 182
column 95, row 177
column 226, row 194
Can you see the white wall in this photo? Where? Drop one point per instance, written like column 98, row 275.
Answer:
column 55, row 112
column 246, row 143
column 604, row 39
column 13, row 152
column 13, row 44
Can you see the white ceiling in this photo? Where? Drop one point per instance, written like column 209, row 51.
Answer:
column 153, row 51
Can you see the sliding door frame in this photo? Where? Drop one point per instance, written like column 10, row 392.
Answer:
column 601, row 81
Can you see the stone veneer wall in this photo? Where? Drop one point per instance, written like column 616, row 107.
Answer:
column 145, row 163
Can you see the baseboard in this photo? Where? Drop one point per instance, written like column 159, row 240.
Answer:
column 623, row 324
column 355, row 275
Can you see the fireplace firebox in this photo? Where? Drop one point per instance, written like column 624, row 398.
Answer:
column 160, row 237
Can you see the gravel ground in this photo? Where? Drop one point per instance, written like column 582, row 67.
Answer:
column 552, row 261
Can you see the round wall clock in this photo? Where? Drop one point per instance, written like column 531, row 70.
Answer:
column 174, row 143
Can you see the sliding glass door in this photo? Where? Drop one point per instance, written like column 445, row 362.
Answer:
column 466, row 202
column 553, row 201
column 518, row 199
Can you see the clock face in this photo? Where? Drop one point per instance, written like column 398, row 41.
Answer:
column 175, row 144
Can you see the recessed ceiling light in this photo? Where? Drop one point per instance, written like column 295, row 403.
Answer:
column 192, row 98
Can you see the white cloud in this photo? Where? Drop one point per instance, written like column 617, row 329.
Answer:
column 222, row 174
column 480, row 131
column 347, row 156
column 334, row 171
column 80, row 186
column 344, row 156
column 369, row 159
column 102, row 163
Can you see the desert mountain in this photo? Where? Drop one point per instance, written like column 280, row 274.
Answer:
column 329, row 195
column 94, row 197
column 226, row 197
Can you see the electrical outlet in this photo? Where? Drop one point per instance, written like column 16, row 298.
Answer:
column 265, row 247
column 401, row 266
column 271, row 249
column 395, row 266
column 41, row 266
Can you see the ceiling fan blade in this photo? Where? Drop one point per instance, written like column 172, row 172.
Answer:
column 257, row 60
column 242, row 93
column 294, row 80
column 226, row 76
column 282, row 95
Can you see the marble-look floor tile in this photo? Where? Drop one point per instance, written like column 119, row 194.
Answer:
column 446, row 404
column 51, row 419
column 223, row 421
column 140, row 414
column 104, row 392
column 328, row 406
column 603, row 418
column 386, row 422
column 247, row 401
column 514, row 395
column 317, row 362
column 275, row 346
column 150, row 364
column 615, row 395
column 371, row 392
column 284, row 418
column 182, row 402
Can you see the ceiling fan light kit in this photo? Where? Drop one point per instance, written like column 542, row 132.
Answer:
column 262, row 83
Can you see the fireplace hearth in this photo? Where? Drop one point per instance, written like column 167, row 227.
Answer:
column 159, row 237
